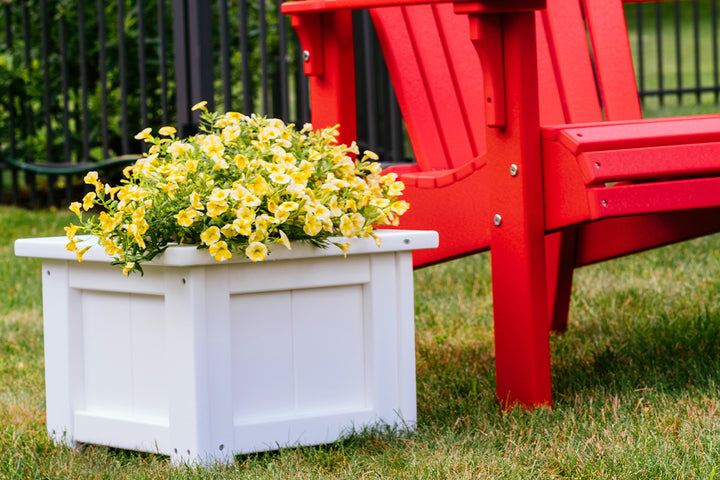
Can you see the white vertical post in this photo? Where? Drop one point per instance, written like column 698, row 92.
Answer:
column 186, row 335
column 59, row 351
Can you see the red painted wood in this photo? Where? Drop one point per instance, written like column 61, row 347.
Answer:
column 571, row 62
column 308, row 30
column 437, row 79
column 333, row 84
column 650, row 163
column 464, row 6
column 455, row 209
column 600, row 241
column 613, row 59
column 560, row 210
column 655, row 197
column 560, row 261
column 487, row 30
column 517, row 245
column 637, row 134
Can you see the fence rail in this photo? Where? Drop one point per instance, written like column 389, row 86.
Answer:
column 95, row 72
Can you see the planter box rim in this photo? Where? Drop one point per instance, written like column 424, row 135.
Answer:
column 189, row 255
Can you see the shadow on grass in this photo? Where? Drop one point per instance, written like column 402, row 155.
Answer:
column 674, row 352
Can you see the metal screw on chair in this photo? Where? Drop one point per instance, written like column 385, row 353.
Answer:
column 306, row 56
column 513, row 170
column 497, row 220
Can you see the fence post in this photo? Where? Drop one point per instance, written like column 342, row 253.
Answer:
column 192, row 36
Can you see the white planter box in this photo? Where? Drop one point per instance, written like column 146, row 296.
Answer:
column 201, row 360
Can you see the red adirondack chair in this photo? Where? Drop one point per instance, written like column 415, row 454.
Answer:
column 548, row 182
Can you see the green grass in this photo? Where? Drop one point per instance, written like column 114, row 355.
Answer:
column 635, row 380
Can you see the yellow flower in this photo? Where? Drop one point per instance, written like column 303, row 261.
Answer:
column 231, row 133
column 218, row 195
column 107, row 223
column 210, row 236
column 130, row 193
column 111, row 191
column 236, row 184
column 177, row 149
column 71, row 245
column 136, row 231
column 380, row 202
column 284, row 240
column 186, row 218
column 167, row 131
column 241, row 161
column 111, row 248
column 259, row 186
column 345, row 247
column 242, row 226
column 371, row 155
column 75, row 208
column 200, row 106
column 169, row 188
column 229, row 230
column 128, row 267
column 91, row 178
column 195, row 201
column 215, row 209
column 71, row 231
column 80, row 253
column 212, row 146
column 399, row 207
column 280, row 178
column 144, row 135
column 256, row 251
column 220, row 251
column 88, row 201
column 312, row 226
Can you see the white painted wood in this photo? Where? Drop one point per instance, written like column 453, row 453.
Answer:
column 187, row 255
column 206, row 360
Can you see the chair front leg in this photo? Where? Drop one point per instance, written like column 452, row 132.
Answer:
column 520, row 302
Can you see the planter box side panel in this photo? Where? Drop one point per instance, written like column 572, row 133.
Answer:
column 205, row 361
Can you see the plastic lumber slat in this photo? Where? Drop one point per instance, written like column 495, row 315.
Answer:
column 643, row 198
column 613, row 59
column 588, row 138
column 642, row 164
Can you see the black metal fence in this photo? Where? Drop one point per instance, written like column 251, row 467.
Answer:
column 675, row 48
column 80, row 77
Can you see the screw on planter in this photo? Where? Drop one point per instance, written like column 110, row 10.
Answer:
column 604, row 203
column 306, row 56
column 513, row 170
column 497, row 220
column 597, row 164
column 406, row 241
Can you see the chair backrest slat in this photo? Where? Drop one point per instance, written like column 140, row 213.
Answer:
column 569, row 56
column 438, row 77
column 438, row 80
column 613, row 59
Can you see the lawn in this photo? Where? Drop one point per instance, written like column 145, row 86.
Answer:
column 636, row 382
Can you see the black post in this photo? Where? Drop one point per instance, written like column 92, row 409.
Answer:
column 192, row 33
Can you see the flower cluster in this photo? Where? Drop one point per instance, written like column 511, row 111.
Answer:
column 240, row 186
